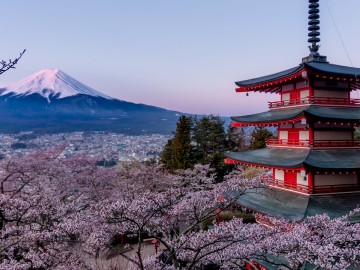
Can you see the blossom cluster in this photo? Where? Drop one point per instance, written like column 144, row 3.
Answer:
column 65, row 213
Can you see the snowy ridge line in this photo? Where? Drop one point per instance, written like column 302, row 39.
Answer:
column 51, row 83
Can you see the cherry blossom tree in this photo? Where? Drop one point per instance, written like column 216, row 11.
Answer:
column 171, row 208
column 41, row 197
column 319, row 240
column 58, row 213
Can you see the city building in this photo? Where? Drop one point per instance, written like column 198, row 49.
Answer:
column 315, row 160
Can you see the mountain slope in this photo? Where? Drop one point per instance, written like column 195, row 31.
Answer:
column 52, row 101
column 51, row 83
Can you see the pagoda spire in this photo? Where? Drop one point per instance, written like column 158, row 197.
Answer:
column 314, row 25
column 314, row 33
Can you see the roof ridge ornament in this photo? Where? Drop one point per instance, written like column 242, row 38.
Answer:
column 314, row 33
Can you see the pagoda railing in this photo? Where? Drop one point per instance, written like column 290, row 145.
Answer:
column 291, row 186
column 315, row 100
column 336, row 188
column 316, row 189
column 315, row 143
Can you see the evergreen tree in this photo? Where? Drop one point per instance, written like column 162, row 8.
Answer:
column 178, row 151
column 197, row 141
column 259, row 137
column 209, row 138
column 166, row 155
column 181, row 144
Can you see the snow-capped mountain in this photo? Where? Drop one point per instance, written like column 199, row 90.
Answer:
column 52, row 101
column 51, row 83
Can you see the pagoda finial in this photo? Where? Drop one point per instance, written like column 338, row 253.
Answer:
column 314, row 25
column 314, row 33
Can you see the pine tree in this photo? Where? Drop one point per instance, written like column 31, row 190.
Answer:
column 209, row 138
column 197, row 141
column 177, row 153
column 259, row 137
column 166, row 155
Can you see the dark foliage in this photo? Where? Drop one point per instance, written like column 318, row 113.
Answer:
column 106, row 163
column 177, row 153
column 259, row 137
column 18, row 146
column 197, row 141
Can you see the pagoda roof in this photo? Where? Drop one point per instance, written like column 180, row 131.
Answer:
column 293, row 206
column 313, row 160
column 344, row 114
column 317, row 68
column 271, row 77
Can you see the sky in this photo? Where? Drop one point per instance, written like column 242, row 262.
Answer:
column 182, row 55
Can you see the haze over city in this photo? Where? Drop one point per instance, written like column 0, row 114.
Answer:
column 179, row 55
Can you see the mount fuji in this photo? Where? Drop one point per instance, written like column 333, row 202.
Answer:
column 52, row 101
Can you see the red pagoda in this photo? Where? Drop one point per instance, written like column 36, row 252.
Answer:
column 315, row 160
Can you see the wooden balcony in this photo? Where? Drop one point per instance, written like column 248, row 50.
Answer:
column 314, row 190
column 315, row 100
column 295, row 187
column 313, row 144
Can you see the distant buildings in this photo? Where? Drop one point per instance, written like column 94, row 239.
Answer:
column 110, row 146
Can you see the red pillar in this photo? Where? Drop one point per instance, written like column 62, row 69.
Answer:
column 311, row 133
column 310, row 178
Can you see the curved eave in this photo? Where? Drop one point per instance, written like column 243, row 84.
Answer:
column 315, row 113
column 270, row 83
column 269, row 158
column 335, row 72
column 327, row 160
column 269, row 117
column 333, row 160
column 334, row 114
column 293, row 206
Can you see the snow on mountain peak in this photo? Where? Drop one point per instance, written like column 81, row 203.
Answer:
column 51, row 82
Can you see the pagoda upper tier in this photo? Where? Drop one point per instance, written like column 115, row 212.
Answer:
column 347, row 78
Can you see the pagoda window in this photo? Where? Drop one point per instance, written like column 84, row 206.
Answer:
column 287, row 87
column 331, row 93
column 331, row 84
column 304, row 94
column 335, row 179
column 283, row 134
column 299, row 125
column 332, row 135
column 304, row 135
column 285, row 97
column 279, row 175
column 302, row 179
column 283, row 126
column 300, row 85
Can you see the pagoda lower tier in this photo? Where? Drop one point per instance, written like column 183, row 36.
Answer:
column 292, row 206
column 306, row 171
